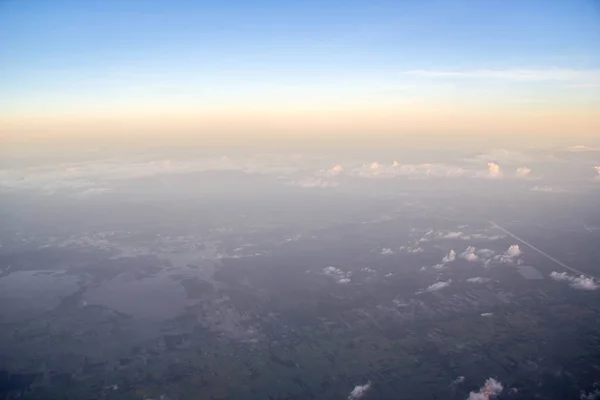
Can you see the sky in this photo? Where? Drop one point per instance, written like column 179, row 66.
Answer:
column 439, row 67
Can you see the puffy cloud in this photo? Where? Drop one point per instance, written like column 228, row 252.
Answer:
column 487, row 314
column 513, row 251
column 470, row 254
column 510, row 256
column 580, row 282
column 494, row 170
column 478, row 279
column 387, row 252
column 450, row 257
column 597, row 168
column 334, row 171
column 489, row 390
column 438, row 285
column 338, row 274
column 359, row 391
column 523, row 172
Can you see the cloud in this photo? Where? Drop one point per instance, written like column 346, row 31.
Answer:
column 597, row 168
column 513, row 251
column 411, row 249
column 487, row 314
column 465, row 236
column 494, row 170
column 377, row 170
column 523, row 172
column 580, row 282
column 583, row 148
column 470, row 254
column 313, row 183
column 548, row 189
column 338, row 274
column 438, row 285
column 518, row 75
column 489, row 390
column 510, row 256
column 332, row 172
column 387, row 252
column 478, row 279
column 359, row 391
column 450, row 257
column 458, row 380
column 595, row 395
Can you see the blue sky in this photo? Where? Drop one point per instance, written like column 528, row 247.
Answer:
column 65, row 56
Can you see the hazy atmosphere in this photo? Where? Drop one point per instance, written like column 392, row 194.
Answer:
column 305, row 200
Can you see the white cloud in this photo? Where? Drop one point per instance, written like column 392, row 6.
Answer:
column 438, row 285
column 478, row 279
column 494, row 170
column 489, row 390
column 380, row 171
column 338, row 274
column 359, row 391
column 334, row 171
column 487, row 314
column 523, row 172
column 518, row 75
column 386, row 252
column 411, row 249
column 513, row 251
column 312, row 183
column 450, row 257
column 597, row 168
column 452, row 235
column 470, row 254
column 580, row 282
column 485, row 253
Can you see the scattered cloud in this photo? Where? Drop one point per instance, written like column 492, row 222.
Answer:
column 478, row 279
column 466, row 236
column 438, row 285
column 487, row 314
column 597, row 168
column 338, row 274
column 387, row 252
column 359, row 391
column 580, row 282
column 523, row 172
column 411, row 249
column 470, row 254
column 491, row 389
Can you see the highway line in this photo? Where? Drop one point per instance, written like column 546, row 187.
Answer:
column 548, row 256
